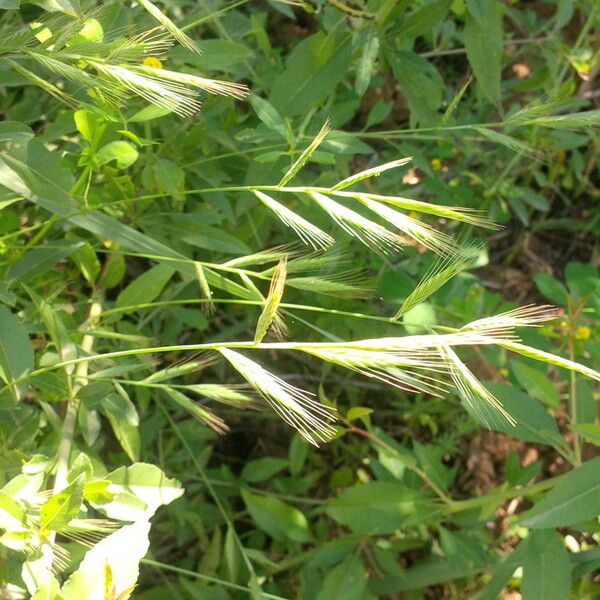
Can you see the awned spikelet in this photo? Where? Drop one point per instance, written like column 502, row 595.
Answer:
column 525, row 316
column 368, row 173
column 371, row 234
column 440, row 273
column 481, row 401
column 212, row 86
column 295, row 406
column 268, row 316
column 403, row 370
column 177, row 33
column 434, row 240
column 310, row 234
column 306, row 154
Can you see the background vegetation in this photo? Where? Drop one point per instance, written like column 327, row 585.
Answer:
column 139, row 235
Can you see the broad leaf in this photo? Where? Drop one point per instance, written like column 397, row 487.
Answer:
column 347, row 581
column 138, row 491
column 380, row 507
column 574, row 499
column 63, row 507
column 546, row 568
column 12, row 514
column 483, row 42
column 279, row 520
column 146, row 287
column 424, row 19
column 16, row 353
column 313, row 69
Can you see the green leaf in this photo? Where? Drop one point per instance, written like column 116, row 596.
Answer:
column 64, row 345
column 87, row 262
column 217, row 55
column 281, row 521
column 419, row 318
column 148, row 113
column 583, row 279
column 211, row 238
column 124, row 421
column 297, row 454
column 88, row 123
column 366, row 62
column 262, row 469
column 588, row 431
column 268, row 114
column 38, row 261
column 546, row 568
column 122, row 152
column 483, row 42
column 536, row 383
column 420, row 82
column 63, row 507
column 551, row 288
column 15, row 131
column 8, row 4
column 533, row 423
column 423, row 20
column 480, row 10
column 12, row 514
column 424, row 574
column 575, row 498
column 16, row 352
column 380, row 507
column 138, row 492
column 313, row 69
column 347, row 581
column 147, row 287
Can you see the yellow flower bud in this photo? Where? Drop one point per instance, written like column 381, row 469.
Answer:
column 583, row 333
column 152, row 61
column 436, row 164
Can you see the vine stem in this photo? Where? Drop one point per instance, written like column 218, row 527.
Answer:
column 68, row 426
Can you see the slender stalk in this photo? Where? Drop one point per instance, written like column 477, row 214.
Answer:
column 196, row 575
column 211, row 490
column 68, row 426
column 515, row 42
column 573, row 406
column 499, row 496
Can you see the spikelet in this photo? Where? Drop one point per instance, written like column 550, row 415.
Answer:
column 368, row 173
column 177, row 33
column 306, row 154
column 371, row 234
column 434, row 240
column 483, row 403
column 295, row 406
column 310, row 234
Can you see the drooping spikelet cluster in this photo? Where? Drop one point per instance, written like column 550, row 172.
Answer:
column 415, row 363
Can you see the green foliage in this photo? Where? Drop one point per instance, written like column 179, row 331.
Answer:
column 198, row 288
